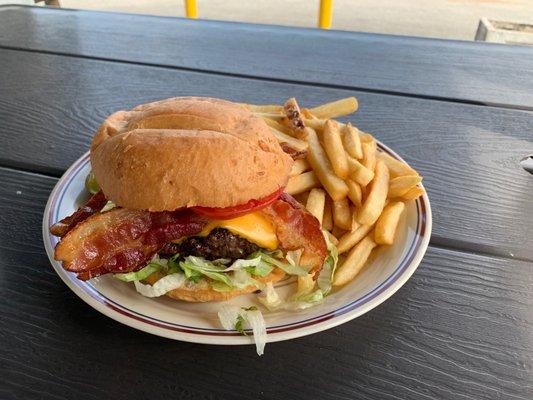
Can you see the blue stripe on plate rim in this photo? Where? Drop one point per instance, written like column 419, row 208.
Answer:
column 422, row 205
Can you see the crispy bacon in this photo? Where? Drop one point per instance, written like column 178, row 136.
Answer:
column 122, row 240
column 296, row 228
column 93, row 205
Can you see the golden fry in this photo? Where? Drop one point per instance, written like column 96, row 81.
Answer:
column 352, row 141
column 316, row 156
column 327, row 218
column 354, row 192
column 369, row 154
column 375, row 199
column 342, row 216
column 350, row 239
column 355, row 224
column 334, row 149
column 396, row 167
column 315, row 123
column 299, row 167
column 335, row 108
column 366, row 137
column 279, row 126
column 355, row 261
column 299, row 145
column 414, row 193
column 402, row 184
column 358, row 172
column 301, row 183
column 264, row 108
column 316, row 202
column 388, row 222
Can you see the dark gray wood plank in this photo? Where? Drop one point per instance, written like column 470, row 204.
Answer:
column 475, row 72
column 460, row 328
column 51, row 105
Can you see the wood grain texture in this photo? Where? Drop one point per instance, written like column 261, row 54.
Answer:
column 459, row 329
column 471, row 71
column 51, row 105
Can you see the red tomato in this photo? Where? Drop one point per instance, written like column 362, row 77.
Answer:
column 241, row 209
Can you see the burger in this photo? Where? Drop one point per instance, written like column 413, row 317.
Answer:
column 188, row 202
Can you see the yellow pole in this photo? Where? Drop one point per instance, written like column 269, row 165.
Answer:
column 325, row 14
column 191, row 9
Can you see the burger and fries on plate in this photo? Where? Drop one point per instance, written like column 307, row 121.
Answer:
column 202, row 199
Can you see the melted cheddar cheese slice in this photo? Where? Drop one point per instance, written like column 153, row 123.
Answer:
column 252, row 226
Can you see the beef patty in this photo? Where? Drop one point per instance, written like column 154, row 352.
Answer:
column 220, row 243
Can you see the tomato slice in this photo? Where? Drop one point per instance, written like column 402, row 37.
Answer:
column 241, row 209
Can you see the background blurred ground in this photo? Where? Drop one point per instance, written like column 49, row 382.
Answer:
column 452, row 19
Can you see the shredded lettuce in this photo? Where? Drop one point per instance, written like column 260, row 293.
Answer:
column 325, row 278
column 287, row 267
column 140, row 274
column 162, row 286
column 238, row 318
column 108, row 206
column 269, row 297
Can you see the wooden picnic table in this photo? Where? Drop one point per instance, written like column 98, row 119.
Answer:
column 460, row 112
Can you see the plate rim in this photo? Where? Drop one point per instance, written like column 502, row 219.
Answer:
column 222, row 337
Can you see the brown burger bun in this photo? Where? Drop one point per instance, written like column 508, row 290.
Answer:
column 185, row 152
column 203, row 292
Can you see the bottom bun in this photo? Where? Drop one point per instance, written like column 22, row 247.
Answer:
column 203, row 292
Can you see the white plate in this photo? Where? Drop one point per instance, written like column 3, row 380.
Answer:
column 387, row 271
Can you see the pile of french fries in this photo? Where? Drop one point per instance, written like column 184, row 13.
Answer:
column 356, row 191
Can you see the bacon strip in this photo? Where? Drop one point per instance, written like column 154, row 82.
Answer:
column 122, row 240
column 94, row 205
column 296, row 228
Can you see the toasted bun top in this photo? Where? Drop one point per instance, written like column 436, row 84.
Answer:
column 187, row 151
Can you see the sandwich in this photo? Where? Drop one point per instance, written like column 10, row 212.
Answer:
column 188, row 201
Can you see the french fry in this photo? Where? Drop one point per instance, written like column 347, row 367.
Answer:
column 296, row 144
column 327, row 218
column 334, row 149
column 342, row 216
column 402, row 184
column 354, row 192
column 355, row 224
column 369, row 154
column 358, row 172
column 388, row 222
column 413, row 193
column 315, row 203
column 299, row 167
column 352, row 141
column 350, row 239
column 264, row 108
column 315, row 123
column 396, row 167
column 301, row 183
column 332, row 238
column 316, row 156
column 355, row 261
column 365, row 137
column 279, row 126
column 272, row 115
column 375, row 198
column 335, row 108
